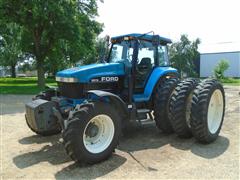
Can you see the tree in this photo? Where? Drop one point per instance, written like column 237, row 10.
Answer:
column 183, row 55
column 102, row 47
column 10, row 49
column 221, row 67
column 48, row 23
column 99, row 52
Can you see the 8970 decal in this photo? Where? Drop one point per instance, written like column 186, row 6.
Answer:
column 105, row 79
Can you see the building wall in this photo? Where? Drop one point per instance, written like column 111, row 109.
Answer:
column 209, row 61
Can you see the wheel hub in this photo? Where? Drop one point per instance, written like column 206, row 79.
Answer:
column 92, row 130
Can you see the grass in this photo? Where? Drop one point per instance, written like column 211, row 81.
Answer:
column 29, row 85
column 231, row 81
column 228, row 81
column 22, row 85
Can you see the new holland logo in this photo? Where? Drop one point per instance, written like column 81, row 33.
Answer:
column 105, row 79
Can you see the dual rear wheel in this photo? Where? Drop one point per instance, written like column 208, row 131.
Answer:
column 194, row 108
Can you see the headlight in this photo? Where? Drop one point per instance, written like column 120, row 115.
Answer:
column 66, row 79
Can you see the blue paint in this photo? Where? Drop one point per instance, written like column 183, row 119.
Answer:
column 85, row 73
column 94, row 97
column 156, row 74
column 77, row 101
column 69, row 102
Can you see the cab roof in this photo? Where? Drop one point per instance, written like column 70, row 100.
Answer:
column 146, row 37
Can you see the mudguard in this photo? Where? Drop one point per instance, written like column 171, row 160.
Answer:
column 107, row 96
column 155, row 76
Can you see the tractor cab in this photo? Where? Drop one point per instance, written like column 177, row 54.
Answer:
column 141, row 53
column 145, row 59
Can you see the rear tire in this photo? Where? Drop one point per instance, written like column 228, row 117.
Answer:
column 207, row 113
column 162, row 97
column 180, row 107
column 93, row 132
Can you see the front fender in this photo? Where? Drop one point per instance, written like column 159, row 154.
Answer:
column 110, row 98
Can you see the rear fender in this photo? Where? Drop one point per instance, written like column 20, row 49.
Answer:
column 155, row 78
column 161, row 80
column 157, row 74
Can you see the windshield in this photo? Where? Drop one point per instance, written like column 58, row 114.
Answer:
column 124, row 51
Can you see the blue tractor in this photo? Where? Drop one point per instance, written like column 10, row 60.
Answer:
column 94, row 104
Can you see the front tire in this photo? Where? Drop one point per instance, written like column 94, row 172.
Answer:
column 92, row 133
column 207, row 113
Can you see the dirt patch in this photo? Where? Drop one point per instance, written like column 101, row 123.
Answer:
column 145, row 153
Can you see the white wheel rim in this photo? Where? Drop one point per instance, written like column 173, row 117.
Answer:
column 101, row 137
column 215, row 111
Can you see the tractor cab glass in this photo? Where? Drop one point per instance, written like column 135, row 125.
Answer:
column 121, row 51
column 147, row 53
column 163, row 56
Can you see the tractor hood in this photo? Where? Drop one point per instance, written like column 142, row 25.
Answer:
column 85, row 73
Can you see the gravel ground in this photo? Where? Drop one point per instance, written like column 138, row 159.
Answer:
column 145, row 153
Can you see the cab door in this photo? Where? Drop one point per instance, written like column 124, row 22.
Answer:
column 144, row 67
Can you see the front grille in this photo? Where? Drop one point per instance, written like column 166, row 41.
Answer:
column 78, row 90
column 71, row 90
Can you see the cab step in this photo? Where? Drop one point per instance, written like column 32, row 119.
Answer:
column 145, row 111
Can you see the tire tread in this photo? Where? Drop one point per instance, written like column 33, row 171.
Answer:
column 200, row 101
column 162, row 95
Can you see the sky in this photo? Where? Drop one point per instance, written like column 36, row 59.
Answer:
column 215, row 22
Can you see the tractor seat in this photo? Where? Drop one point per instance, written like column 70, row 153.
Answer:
column 145, row 65
column 143, row 70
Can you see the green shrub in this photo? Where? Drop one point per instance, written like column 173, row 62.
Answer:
column 221, row 67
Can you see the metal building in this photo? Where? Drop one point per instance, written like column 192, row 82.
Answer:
column 208, row 62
